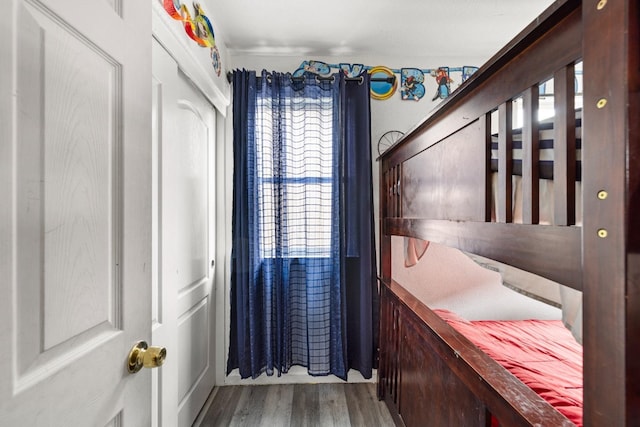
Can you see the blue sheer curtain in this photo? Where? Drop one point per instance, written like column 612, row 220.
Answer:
column 298, row 292
column 360, row 280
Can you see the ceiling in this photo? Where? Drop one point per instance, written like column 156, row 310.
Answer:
column 405, row 28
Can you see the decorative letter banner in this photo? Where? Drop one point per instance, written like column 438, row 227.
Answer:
column 444, row 83
column 383, row 80
column 412, row 84
column 313, row 67
column 351, row 70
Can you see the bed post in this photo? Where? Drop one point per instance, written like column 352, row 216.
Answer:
column 385, row 195
column 611, row 230
column 633, row 256
column 384, row 273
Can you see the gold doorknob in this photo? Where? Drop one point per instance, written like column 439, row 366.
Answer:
column 143, row 356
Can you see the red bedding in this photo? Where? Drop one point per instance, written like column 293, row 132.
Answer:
column 541, row 353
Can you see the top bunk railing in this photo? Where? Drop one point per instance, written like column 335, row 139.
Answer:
column 511, row 148
column 438, row 182
column 539, row 138
column 556, row 23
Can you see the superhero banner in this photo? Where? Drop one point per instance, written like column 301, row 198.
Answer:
column 384, row 83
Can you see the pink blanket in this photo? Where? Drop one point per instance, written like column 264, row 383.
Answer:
column 541, row 353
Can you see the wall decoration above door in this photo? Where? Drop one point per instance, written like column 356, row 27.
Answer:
column 198, row 28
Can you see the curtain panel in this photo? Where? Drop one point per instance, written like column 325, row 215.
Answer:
column 303, row 288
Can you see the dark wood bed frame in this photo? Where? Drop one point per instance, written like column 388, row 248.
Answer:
column 428, row 373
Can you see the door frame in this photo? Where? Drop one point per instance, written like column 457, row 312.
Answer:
column 195, row 63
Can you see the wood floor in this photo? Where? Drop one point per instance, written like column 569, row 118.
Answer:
column 299, row 405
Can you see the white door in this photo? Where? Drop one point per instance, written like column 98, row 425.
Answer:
column 184, row 232
column 75, row 236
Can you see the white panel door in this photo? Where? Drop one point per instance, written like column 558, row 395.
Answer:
column 75, row 209
column 184, row 224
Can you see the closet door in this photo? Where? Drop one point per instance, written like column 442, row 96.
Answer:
column 75, row 238
column 184, row 236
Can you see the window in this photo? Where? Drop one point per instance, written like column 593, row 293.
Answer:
column 295, row 177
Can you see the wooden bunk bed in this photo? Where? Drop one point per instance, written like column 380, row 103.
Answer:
column 435, row 184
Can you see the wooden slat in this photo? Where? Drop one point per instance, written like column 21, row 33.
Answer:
column 548, row 251
column 383, row 212
column 385, row 241
column 564, row 147
column 399, row 190
column 505, row 163
column 530, row 157
column 392, row 193
column 389, row 176
column 485, row 129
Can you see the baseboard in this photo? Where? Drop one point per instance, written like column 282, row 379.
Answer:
column 298, row 375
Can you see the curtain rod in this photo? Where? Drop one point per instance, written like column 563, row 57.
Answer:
column 390, row 80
